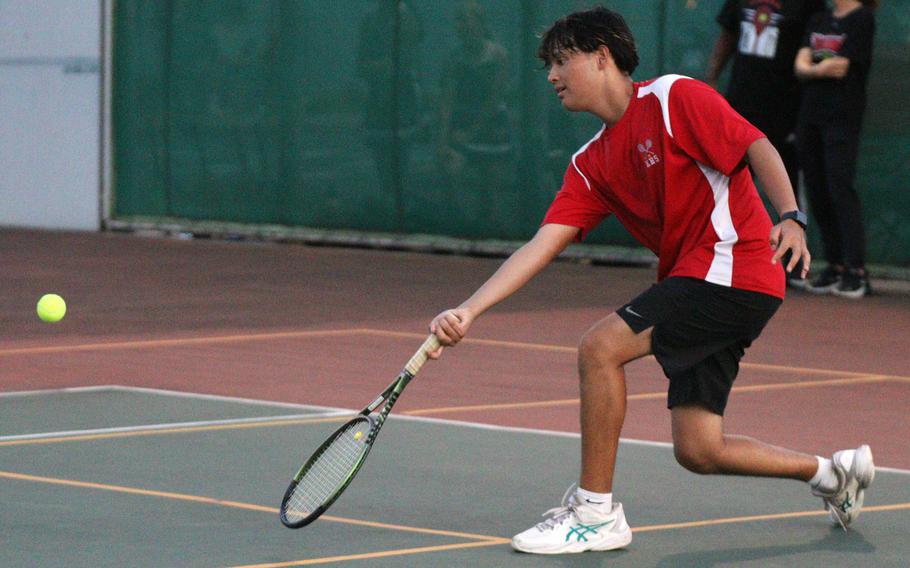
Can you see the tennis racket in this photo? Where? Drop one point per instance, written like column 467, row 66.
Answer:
column 333, row 466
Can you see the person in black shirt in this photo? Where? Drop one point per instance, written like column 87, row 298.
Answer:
column 834, row 62
column 763, row 37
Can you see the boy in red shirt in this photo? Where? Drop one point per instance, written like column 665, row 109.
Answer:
column 671, row 162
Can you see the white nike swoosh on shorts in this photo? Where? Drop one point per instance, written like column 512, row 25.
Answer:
column 634, row 313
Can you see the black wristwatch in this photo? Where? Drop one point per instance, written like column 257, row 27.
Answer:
column 797, row 216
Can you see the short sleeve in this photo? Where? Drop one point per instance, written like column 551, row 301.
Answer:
column 814, row 24
column 706, row 127
column 729, row 16
column 576, row 205
column 858, row 45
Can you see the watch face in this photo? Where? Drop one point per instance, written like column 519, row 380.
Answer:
column 797, row 216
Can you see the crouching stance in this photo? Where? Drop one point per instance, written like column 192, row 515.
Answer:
column 671, row 162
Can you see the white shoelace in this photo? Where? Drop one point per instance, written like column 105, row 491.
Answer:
column 559, row 514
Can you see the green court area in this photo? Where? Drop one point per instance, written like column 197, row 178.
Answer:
column 144, row 478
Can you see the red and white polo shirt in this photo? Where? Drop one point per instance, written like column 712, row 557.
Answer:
column 672, row 171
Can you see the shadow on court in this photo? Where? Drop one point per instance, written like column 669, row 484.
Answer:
column 134, row 480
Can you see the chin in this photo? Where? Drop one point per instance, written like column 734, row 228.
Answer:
column 572, row 107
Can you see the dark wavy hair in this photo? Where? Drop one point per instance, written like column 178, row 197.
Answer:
column 586, row 31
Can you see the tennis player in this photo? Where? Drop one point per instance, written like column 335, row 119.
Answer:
column 670, row 162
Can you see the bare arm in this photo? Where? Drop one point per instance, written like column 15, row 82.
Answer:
column 451, row 325
column 723, row 48
column 772, row 175
column 831, row 68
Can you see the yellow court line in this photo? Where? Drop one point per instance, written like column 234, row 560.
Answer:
column 383, row 554
column 645, row 396
column 476, row 341
column 565, row 349
column 232, row 504
column 419, row 412
column 754, row 518
column 136, row 491
column 150, row 343
column 808, row 384
column 504, row 406
column 179, row 430
column 480, row 540
column 494, row 542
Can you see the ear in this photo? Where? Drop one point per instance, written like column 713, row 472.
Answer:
column 603, row 56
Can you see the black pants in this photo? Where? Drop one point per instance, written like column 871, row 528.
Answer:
column 827, row 154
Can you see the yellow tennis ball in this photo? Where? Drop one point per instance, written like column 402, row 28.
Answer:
column 358, row 435
column 51, row 308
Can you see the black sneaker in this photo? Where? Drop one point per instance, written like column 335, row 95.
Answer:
column 794, row 277
column 827, row 281
column 853, row 284
column 797, row 283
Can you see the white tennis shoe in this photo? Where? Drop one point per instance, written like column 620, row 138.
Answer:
column 855, row 471
column 575, row 527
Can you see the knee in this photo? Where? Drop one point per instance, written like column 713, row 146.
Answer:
column 697, row 458
column 596, row 348
column 595, row 352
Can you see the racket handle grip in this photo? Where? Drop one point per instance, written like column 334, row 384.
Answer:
column 419, row 358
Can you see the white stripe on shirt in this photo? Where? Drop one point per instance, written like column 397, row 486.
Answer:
column 660, row 88
column 582, row 149
column 721, row 271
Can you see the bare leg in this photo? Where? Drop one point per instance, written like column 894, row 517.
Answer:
column 701, row 446
column 604, row 349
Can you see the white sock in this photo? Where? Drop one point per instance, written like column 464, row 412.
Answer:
column 824, row 478
column 602, row 502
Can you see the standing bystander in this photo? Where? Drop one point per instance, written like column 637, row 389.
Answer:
column 834, row 63
column 763, row 36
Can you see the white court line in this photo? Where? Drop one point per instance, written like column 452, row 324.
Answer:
column 328, row 411
column 236, row 399
column 166, row 426
column 315, row 411
column 57, row 391
column 425, row 419
column 174, row 393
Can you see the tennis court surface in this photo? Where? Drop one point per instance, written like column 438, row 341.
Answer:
column 159, row 422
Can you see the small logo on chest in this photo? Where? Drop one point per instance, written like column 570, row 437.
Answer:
column 647, row 154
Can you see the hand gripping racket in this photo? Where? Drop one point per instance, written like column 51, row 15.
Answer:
column 333, row 466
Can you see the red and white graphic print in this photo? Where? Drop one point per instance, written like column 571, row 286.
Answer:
column 826, row 45
column 759, row 30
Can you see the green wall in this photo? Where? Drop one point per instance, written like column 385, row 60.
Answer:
column 419, row 116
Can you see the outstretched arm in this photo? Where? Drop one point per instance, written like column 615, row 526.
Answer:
column 451, row 325
column 772, row 175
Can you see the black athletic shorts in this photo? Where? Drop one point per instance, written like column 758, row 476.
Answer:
column 701, row 331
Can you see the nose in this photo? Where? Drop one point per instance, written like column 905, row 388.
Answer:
column 552, row 76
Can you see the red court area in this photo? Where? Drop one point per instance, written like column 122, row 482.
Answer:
column 332, row 326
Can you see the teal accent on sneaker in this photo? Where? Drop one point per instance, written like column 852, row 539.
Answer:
column 581, row 530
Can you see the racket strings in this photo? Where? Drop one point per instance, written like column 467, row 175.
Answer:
column 330, row 469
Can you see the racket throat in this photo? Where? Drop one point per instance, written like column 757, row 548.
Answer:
column 392, row 398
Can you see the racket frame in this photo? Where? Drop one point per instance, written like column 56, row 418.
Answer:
column 390, row 396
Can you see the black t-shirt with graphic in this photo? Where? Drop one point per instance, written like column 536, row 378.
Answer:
column 768, row 33
column 850, row 36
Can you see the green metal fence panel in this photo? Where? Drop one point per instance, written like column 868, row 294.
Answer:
column 140, row 108
column 412, row 116
column 883, row 176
